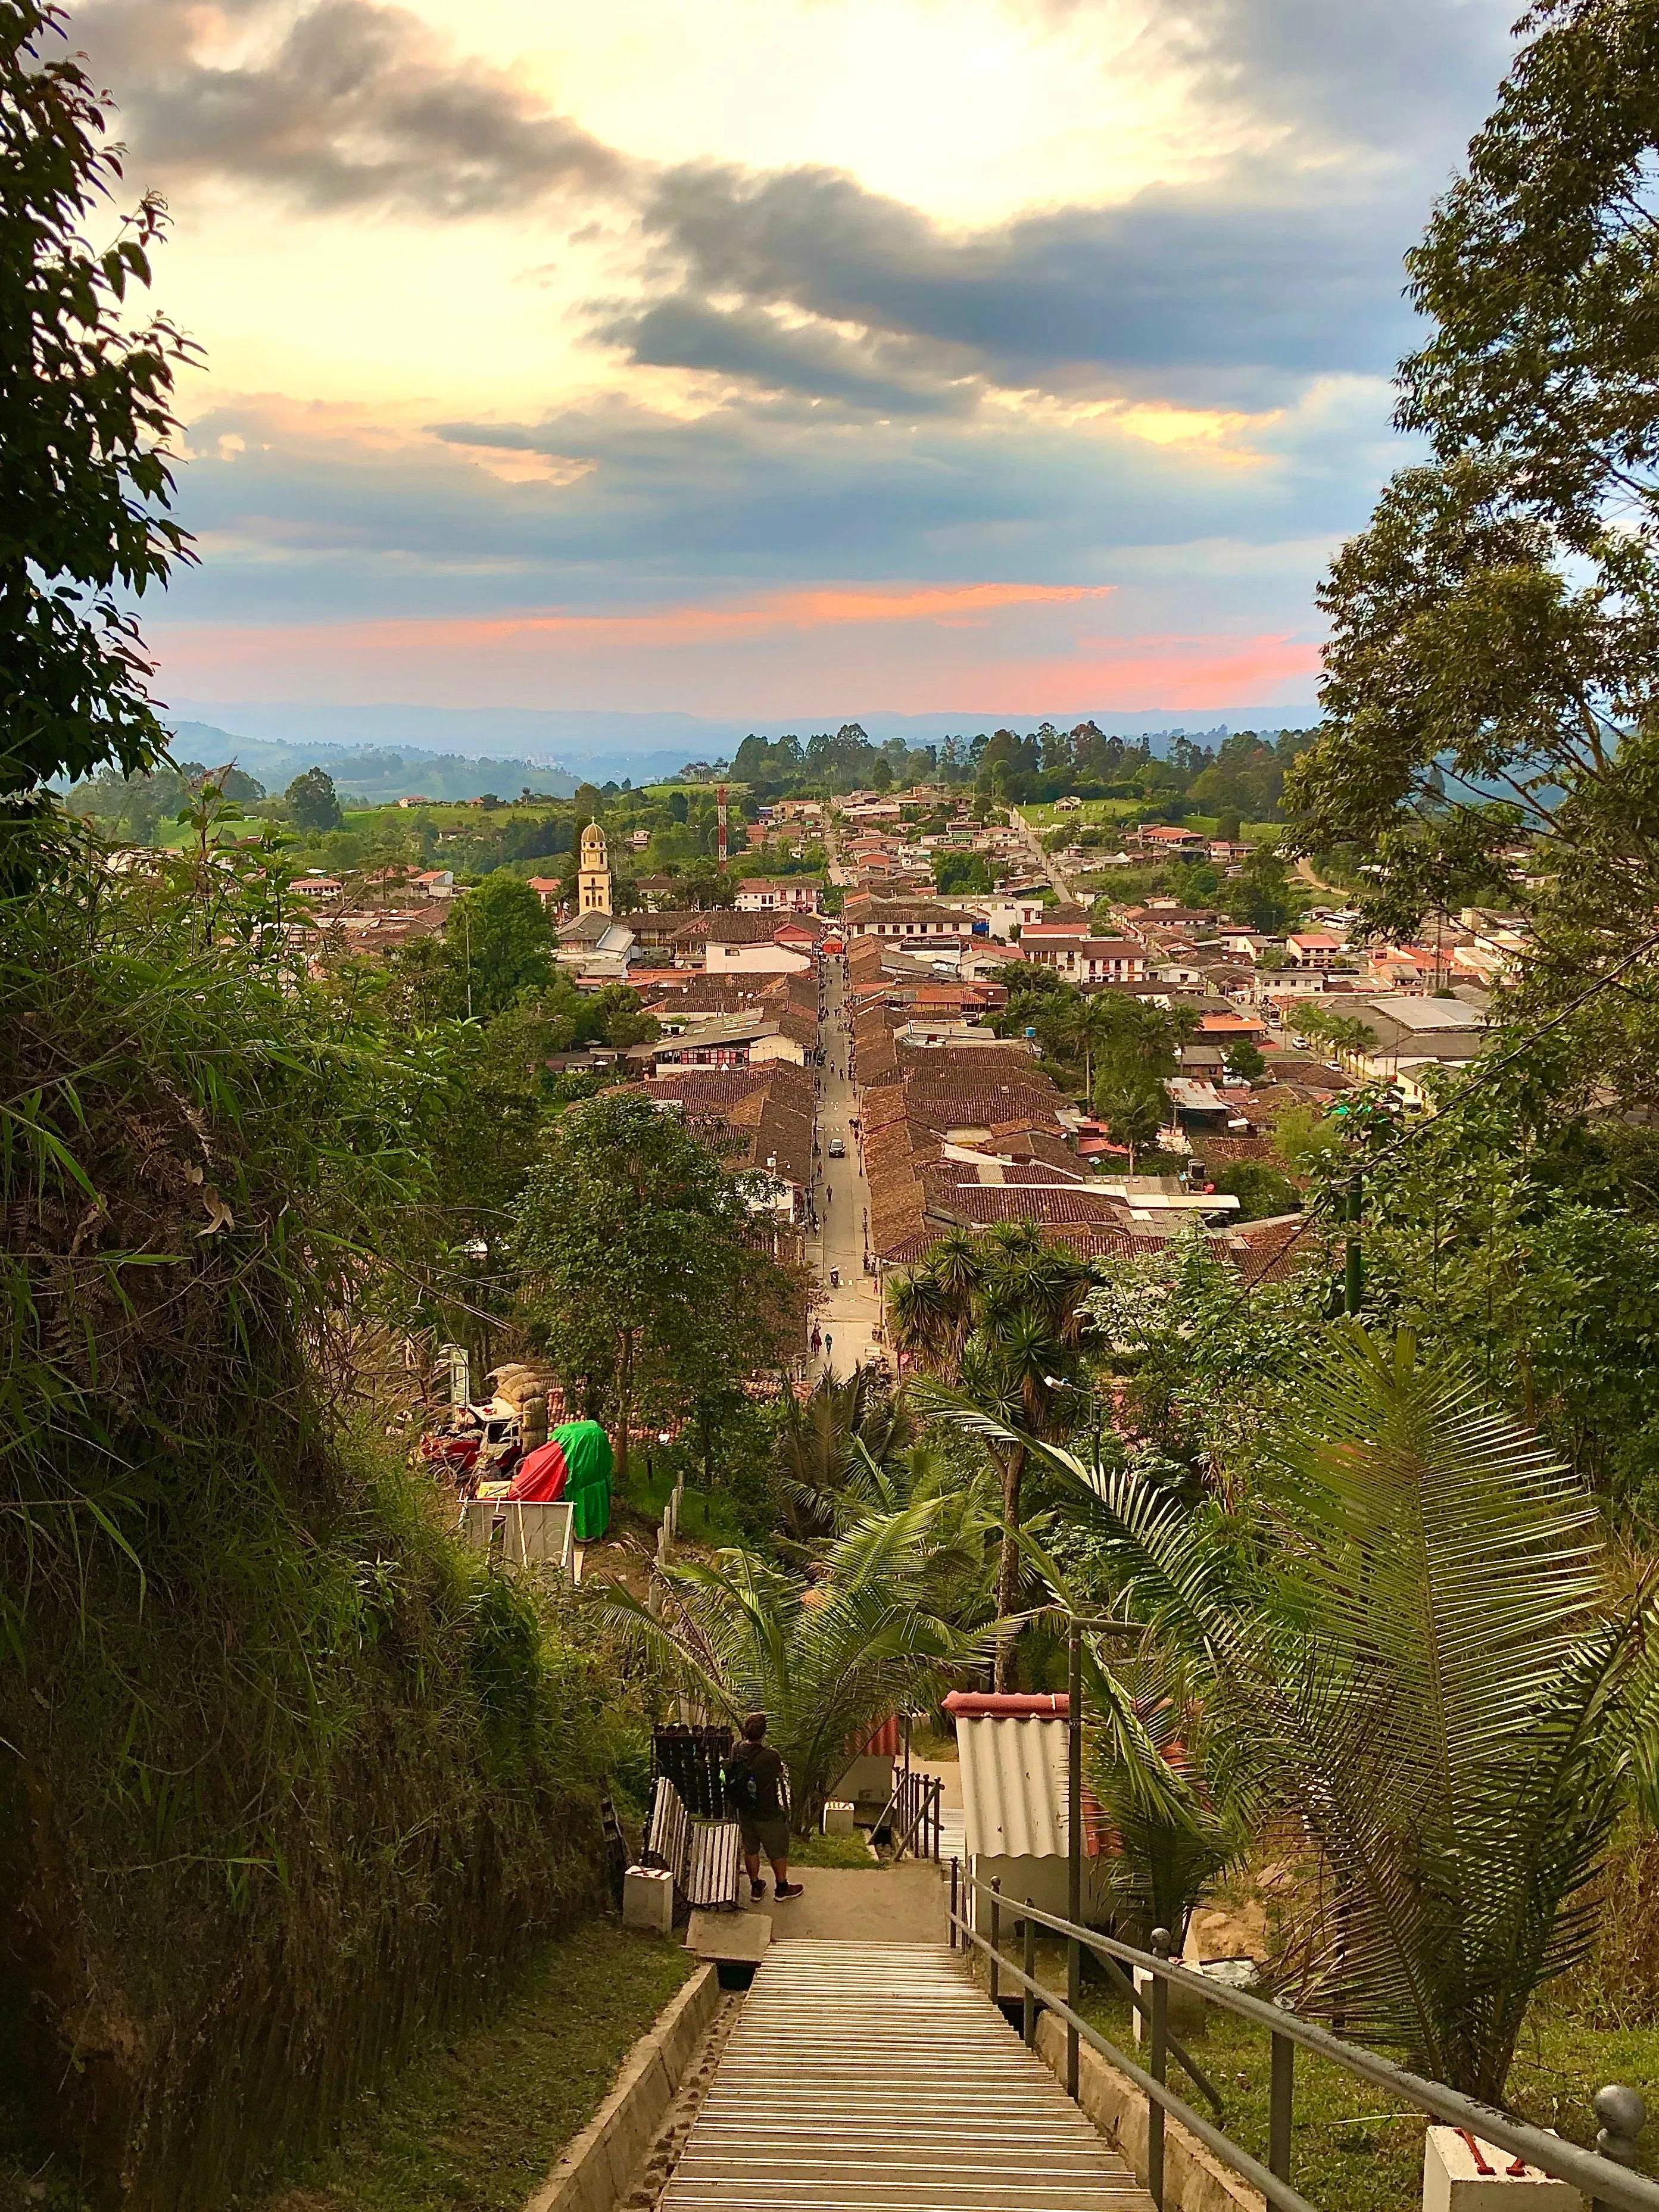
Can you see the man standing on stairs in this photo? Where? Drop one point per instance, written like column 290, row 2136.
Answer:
column 754, row 1791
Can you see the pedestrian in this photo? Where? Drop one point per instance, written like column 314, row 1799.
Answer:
column 828, row 1347
column 754, row 1776
column 827, row 1195
column 818, row 1340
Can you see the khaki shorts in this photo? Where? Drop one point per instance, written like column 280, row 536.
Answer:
column 771, row 1836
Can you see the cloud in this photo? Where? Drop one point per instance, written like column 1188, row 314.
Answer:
column 1004, row 648
column 889, row 376
column 1238, row 294
column 347, row 105
column 1398, row 77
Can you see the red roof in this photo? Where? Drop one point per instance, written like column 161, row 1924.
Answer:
column 1009, row 1704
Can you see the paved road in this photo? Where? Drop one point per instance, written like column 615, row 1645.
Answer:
column 842, row 1198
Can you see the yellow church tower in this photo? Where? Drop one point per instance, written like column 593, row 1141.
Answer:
column 593, row 878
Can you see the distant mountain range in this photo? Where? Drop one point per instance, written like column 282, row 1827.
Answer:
column 461, row 752
column 376, row 773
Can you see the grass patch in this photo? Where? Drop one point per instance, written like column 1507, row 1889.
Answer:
column 475, row 2126
column 832, row 1851
column 1354, row 2149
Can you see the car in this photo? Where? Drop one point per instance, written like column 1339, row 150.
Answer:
column 837, row 1148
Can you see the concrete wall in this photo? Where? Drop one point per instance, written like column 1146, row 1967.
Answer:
column 1194, row 2179
column 598, row 2166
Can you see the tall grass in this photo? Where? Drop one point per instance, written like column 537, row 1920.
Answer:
column 285, row 1776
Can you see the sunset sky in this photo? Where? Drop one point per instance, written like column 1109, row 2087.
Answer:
column 776, row 358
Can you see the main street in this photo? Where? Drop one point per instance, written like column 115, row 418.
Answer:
column 849, row 1311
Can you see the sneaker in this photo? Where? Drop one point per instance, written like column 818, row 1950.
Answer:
column 757, row 1890
column 789, row 1889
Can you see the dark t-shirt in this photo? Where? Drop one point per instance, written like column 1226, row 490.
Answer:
column 754, row 1777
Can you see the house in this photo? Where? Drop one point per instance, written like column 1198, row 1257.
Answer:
column 869, row 916
column 594, row 937
column 413, row 801
column 548, row 889
column 1314, row 950
column 1164, row 837
column 653, row 892
column 1089, row 959
column 736, row 1041
column 747, row 944
column 784, row 894
column 318, row 886
column 1414, row 1034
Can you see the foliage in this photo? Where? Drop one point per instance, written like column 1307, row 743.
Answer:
column 645, row 1275
column 1431, row 1680
column 1261, row 1190
column 1000, row 1315
column 1244, row 1056
column 85, row 481
column 1262, row 895
column 825, row 1438
column 313, row 801
column 1133, row 1104
column 960, row 874
column 827, row 1656
column 260, row 1708
column 497, row 946
column 1491, row 730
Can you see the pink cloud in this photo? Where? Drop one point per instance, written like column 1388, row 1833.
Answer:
column 995, row 647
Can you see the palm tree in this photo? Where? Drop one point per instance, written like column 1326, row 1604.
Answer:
column 1430, row 1677
column 827, row 1656
column 819, row 1437
column 1084, row 1028
column 1002, row 1315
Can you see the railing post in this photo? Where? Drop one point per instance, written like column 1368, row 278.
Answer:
column 1073, row 1847
column 1281, row 2102
column 1157, row 2066
column 996, row 1936
column 953, row 1905
column 1623, row 2116
column 1031, row 1976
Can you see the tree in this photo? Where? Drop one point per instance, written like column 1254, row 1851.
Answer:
column 1001, row 1316
column 827, row 1656
column 960, row 874
column 1429, row 1675
column 1134, row 1106
column 85, row 419
column 641, row 1266
column 1492, row 695
column 1261, row 896
column 1261, row 1191
column 313, row 801
column 498, row 943
column 1244, row 1056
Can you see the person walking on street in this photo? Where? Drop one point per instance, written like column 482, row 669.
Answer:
column 754, row 1791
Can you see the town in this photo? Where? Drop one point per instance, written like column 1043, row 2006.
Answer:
column 828, row 1142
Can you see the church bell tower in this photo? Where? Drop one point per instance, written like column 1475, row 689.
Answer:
column 593, row 878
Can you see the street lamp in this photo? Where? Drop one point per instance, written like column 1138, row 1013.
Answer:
column 1059, row 1382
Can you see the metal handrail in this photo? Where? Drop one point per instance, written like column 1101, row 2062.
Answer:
column 1600, row 2180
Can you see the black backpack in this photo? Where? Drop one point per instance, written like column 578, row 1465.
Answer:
column 742, row 1786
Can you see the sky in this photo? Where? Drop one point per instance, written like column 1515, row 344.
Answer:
column 777, row 359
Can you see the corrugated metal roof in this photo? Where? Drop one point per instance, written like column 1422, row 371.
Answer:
column 1014, row 1785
